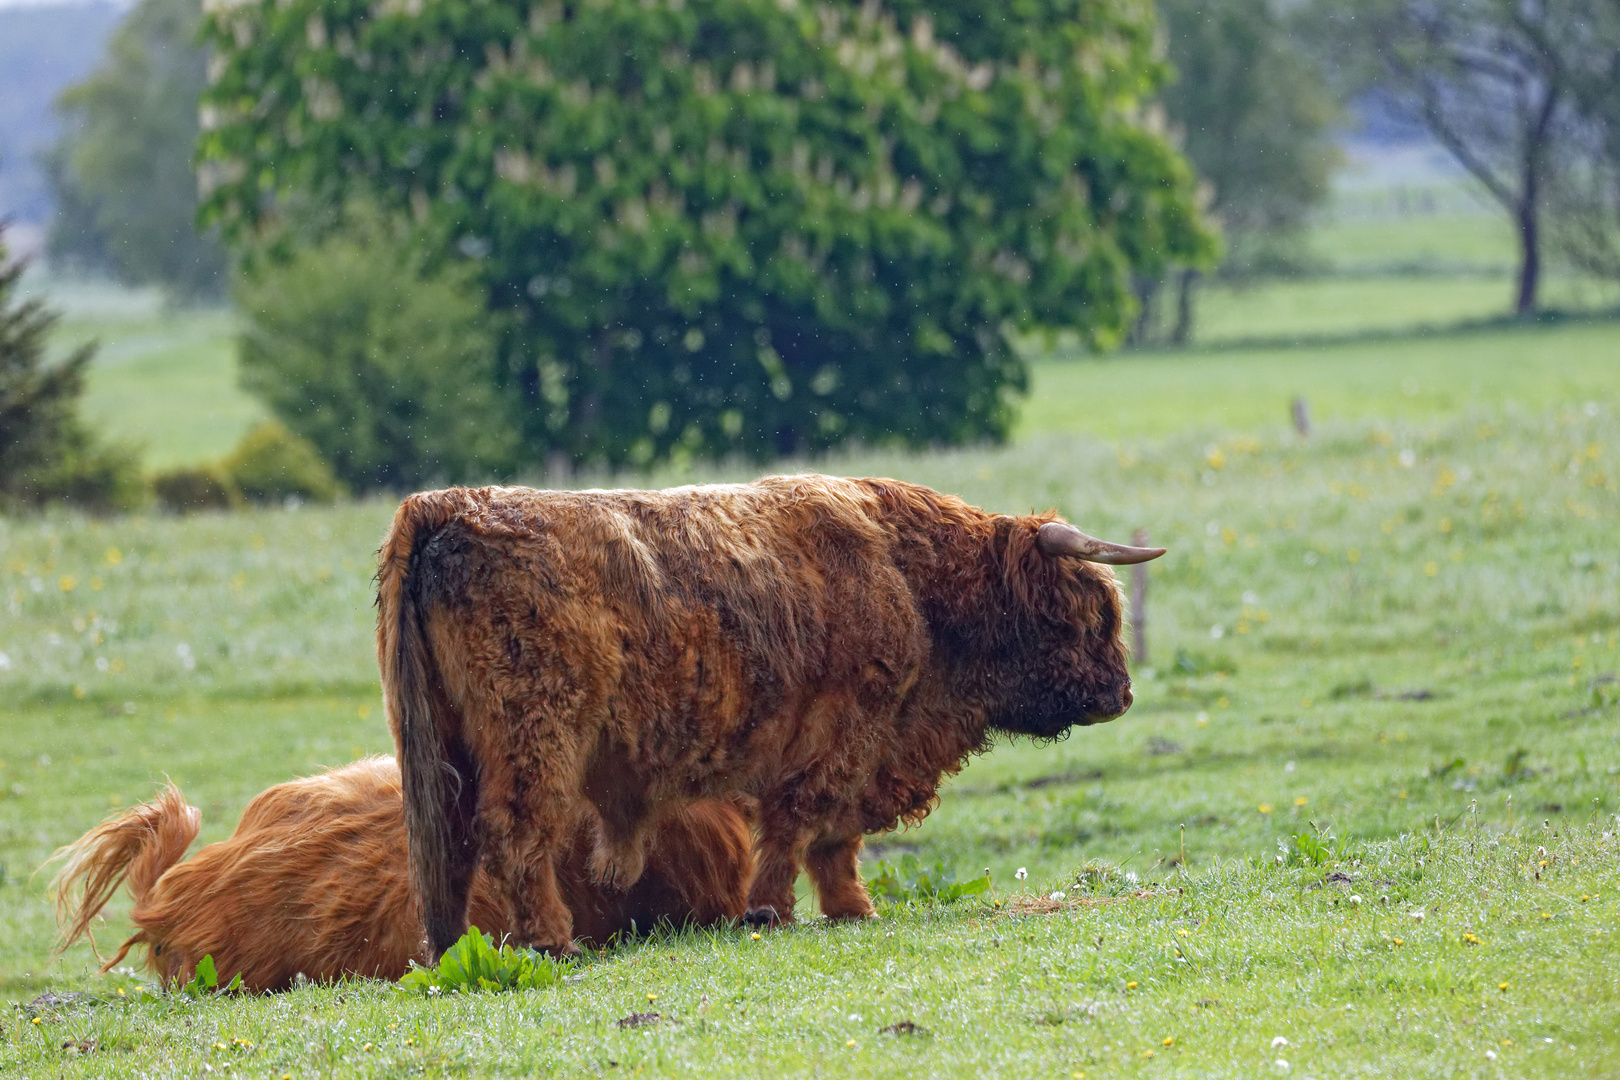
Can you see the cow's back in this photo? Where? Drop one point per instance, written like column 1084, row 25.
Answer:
column 693, row 626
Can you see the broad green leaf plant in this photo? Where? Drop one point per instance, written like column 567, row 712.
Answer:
column 476, row 963
column 912, row 882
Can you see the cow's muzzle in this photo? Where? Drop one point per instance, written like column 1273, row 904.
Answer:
column 1108, row 707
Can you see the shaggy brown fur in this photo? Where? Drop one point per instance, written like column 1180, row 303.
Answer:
column 314, row 881
column 831, row 647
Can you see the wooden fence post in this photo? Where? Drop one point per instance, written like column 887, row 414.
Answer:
column 1139, row 648
column 1302, row 417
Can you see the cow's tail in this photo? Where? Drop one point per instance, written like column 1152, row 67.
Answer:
column 439, row 778
column 134, row 847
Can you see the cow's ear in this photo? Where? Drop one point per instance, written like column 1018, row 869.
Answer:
column 1059, row 539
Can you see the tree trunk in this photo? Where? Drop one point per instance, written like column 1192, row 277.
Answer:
column 1529, row 214
column 1184, row 308
column 1147, row 294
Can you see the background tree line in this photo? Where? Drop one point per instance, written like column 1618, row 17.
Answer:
column 474, row 239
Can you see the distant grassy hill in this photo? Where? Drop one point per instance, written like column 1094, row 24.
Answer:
column 167, row 380
column 1404, row 316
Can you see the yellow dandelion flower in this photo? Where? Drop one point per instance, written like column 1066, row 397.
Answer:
column 1398, row 942
column 1501, row 986
column 754, row 935
column 1265, row 808
column 1301, row 801
column 1130, row 986
column 1147, row 1053
column 67, row 582
column 1168, row 1041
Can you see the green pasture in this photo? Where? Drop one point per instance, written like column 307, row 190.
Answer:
column 1398, row 639
column 1360, row 822
column 1476, row 242
column 1414, row 379
column 1355, row 343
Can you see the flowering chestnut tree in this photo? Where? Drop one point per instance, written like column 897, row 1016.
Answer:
column 718, row 226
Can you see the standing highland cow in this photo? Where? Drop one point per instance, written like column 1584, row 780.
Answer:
column 558, row 660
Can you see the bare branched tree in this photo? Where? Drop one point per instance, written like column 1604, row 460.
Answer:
column 1491, row 80
column 1583, row 195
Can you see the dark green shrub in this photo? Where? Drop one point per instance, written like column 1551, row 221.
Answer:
column 722, row 226
column 46, row 455
column 205, row 487
column 386, row 368
column 271, row 464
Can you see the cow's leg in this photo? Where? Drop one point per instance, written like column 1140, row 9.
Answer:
column 834, row 866
column 540, row 918
column 781, row 852
column 618, row 856
column 528, row 810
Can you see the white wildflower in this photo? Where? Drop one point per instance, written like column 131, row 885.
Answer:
column 1021, row 873
column 1057, row 895
column 1278, row 1041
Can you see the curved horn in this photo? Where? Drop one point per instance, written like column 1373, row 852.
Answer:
column 1058, row 538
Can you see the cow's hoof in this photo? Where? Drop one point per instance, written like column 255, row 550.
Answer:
column 567, row 948
column 857, row 915
column 763, row 916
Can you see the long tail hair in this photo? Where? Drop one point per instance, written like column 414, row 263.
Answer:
column 134, row 847
column 439, row 775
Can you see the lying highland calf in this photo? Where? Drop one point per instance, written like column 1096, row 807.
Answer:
column 559, row 660
column 314, row 881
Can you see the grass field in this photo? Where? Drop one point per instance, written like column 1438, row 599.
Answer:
column 1413, row 379
column 1401, row 636
column 1403, row 633
column 1356, row 344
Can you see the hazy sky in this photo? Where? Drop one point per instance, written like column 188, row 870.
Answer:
column 37, row 3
